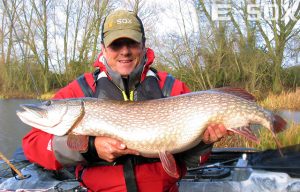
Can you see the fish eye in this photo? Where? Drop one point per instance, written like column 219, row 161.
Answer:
column 48, row 103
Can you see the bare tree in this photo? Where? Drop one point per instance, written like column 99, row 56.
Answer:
column 2, row 34
column 100, row 11
column 88, row 29
column 76, row 28
column 66, row 31
column 283, row 28
column 41, row 13
column 232, row 50
column 11, row 15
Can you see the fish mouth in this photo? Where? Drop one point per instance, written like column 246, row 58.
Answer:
column 33, row 109
column 246, row 132
column 31, row 114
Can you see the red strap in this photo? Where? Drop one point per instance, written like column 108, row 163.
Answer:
column 203, row 158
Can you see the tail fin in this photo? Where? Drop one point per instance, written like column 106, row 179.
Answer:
column 237, row 92
column 279, row 124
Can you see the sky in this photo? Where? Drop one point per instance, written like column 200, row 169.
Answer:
column 168, row 15
column 171, row 19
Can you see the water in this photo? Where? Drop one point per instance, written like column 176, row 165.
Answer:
column 291, row 115
column 12, row 129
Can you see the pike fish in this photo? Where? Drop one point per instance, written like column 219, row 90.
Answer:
column 155, row 128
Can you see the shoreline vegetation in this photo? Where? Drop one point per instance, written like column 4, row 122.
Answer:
column 287, row 100
column 17, row 95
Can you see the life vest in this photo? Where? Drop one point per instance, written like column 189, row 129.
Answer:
column 148, row 89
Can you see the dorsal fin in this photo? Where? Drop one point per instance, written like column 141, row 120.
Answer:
column 237, row 92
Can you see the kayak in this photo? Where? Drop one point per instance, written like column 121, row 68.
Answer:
column 227, row 170
column 247, row 170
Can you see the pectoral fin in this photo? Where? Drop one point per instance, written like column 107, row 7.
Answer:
column 169, row 163
column 78, row 142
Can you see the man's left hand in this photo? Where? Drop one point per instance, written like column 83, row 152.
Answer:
column 214, row 133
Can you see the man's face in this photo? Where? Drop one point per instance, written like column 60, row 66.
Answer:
column 123, row 55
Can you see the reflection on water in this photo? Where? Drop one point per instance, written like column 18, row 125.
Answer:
column 11, row 128
column 291, row 116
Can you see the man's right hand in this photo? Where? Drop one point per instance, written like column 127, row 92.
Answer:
column 109, row 149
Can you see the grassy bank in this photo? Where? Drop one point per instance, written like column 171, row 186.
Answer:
column 46, row 96
column 20, row 95
column 286, row 100
column 17, row 95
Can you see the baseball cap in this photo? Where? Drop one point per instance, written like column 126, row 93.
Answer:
column 122, row 24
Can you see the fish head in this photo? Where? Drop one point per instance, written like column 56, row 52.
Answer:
column 54, row 116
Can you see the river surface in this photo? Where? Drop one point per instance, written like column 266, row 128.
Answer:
column 12, row 130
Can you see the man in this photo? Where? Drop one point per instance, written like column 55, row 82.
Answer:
column 123, row 73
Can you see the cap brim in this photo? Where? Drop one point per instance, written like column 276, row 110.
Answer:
column 127, row 33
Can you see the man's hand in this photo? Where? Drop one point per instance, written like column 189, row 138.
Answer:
column 215, row 132
column 109, row 149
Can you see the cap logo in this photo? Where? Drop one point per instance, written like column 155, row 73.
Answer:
column 124, row 21
column 110, row 25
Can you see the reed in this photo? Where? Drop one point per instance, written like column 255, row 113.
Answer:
column 17, row 95
column 47, row 96
column 286, row 100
